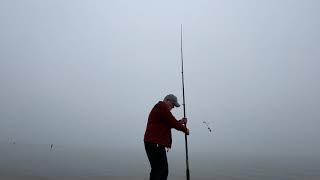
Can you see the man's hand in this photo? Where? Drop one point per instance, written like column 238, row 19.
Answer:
column 188, row 132
column 183, row 121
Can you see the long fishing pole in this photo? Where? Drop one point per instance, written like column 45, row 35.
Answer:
column 184, row 112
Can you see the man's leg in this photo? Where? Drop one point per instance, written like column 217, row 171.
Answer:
column 163, row 162
column 158, row 160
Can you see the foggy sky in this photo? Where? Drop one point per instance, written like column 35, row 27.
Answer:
column 88, row 72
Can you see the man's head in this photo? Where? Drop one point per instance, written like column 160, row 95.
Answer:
column 172, row 101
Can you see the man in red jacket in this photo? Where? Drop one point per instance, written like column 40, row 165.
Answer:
column 158, row 135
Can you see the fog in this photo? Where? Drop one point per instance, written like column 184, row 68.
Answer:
column 88, row 72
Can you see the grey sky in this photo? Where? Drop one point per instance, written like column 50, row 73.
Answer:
column 88, row 72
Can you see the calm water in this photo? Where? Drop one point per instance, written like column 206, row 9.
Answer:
column 63, row 162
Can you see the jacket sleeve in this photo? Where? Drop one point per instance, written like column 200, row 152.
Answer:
column 172, row 122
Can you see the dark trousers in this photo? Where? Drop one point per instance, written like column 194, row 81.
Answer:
column 158, row 160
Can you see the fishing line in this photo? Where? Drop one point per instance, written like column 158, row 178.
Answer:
column 207, row 124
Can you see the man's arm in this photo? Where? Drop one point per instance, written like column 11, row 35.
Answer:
column 173, row 123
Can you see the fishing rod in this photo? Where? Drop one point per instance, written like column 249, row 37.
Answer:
column 184, row 112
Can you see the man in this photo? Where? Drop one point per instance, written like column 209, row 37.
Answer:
column 157, row 136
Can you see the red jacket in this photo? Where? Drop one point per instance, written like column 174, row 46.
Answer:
column 159, row 125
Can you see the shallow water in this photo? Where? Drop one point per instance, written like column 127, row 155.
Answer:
column 63, row 162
